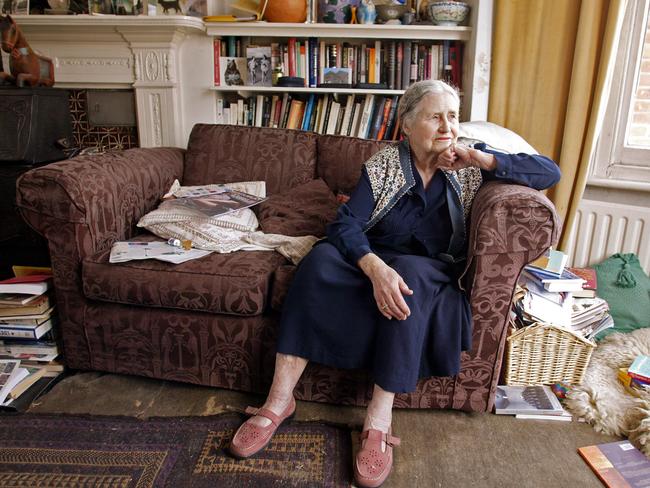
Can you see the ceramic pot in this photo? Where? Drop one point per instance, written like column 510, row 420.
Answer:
column 294, row 11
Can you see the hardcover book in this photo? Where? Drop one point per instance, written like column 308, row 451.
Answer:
column 618, row 464
column 513, row 400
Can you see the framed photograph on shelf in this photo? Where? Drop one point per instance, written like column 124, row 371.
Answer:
column 232, row 71
column 258, row 65
column 193, row 8
column 337, row 75
column 17, row 7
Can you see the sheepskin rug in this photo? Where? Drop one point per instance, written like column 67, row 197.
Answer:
column 603, row 401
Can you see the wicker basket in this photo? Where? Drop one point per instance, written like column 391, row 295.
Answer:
column 543, row 354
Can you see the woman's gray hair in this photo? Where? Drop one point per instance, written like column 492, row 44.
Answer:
column 416, row 92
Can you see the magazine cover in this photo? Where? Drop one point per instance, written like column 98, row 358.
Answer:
column 258, row 64
column 512, row 400
column 220, row 203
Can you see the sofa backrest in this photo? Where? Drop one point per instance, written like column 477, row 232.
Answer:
column 340, row 159
column 226, row 153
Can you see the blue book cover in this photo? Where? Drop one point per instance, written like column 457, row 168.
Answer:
column 313, row 62
column 308, row 109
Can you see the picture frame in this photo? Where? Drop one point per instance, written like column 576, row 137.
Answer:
column 258, row 66
column 15, row 7
column 232, row 71
column 337, row 75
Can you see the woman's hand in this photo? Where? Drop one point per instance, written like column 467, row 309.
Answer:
column 388, row 287
column 458, row 156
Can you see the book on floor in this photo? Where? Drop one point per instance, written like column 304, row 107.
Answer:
column 567, row 281
column 38, row 305
column 28, row 285
column 10, row 375
column 590, row 285
column 640, row 368
column 539, row 399
column 618, row 464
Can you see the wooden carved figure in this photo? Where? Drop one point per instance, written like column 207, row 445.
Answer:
column 26, row 67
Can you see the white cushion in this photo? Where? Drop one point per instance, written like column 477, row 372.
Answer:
column 498, row 137
column 165, row 215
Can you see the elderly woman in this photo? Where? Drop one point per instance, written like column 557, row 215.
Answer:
column 381, row 293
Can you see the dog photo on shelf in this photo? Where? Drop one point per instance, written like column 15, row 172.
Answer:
column 232, row 71
column 193, row 8
column 258, row 65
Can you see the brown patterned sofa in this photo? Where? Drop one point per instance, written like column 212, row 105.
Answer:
column 213, row 321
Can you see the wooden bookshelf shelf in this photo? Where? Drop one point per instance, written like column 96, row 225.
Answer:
column 282, row 89
column 338, row 31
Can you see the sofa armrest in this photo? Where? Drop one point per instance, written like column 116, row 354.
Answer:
column 511, row 225
column 82, row 206
column 107, row 193
column 508, row 218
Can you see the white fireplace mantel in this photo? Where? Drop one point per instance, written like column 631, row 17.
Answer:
column 161, row 58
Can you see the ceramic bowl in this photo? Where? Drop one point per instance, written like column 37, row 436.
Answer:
column 390, row 12
column 448, row 13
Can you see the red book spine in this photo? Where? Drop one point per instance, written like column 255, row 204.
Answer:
column 217, row 54
column 291, row 48
column 639, row 377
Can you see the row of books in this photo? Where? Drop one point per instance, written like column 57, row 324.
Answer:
column 564, row 297
column 28, row 336
column 393, row 64
column 367, row 116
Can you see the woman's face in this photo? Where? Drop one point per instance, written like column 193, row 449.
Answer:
column 435, row 125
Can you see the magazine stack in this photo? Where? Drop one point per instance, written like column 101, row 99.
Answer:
column 28, row 342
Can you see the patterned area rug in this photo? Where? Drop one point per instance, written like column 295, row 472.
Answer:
column 67, row 450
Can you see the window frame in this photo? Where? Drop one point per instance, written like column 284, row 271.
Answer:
column 616, row 164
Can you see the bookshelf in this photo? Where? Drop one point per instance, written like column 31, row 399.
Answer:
column 475, row 38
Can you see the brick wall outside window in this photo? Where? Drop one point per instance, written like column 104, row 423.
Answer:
column 639, row 131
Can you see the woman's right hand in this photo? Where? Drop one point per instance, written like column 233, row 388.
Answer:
column 388, row 287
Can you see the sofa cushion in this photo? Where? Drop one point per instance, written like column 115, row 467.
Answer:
column 302, row 211
column 225, row 154
column 340, row 159
column 236, row 283
column 283, row 277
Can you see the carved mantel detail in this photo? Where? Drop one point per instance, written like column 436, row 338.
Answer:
column 154, row 66
column 93, row 62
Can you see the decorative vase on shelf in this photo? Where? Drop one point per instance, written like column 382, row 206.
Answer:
column 292, row 11
column 366, row 12
column 336, row 11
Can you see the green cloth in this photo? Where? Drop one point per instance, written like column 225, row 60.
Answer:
column 626, row 288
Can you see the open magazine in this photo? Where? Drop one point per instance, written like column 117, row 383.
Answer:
column 210, row 203
column 123, row 251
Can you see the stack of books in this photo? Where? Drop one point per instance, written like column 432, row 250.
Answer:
column 28, row 335
column 563, row 297
column 637, row 374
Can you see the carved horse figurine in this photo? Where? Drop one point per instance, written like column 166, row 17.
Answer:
column 26, row 66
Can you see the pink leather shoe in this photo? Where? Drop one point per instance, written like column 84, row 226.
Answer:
column 251, row 439
column 372, row 466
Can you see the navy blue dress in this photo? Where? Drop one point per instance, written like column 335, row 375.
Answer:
column 330, row 315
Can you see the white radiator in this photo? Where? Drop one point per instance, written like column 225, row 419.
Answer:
column 602, row 229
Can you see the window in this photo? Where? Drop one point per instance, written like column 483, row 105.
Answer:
column 622, row 157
